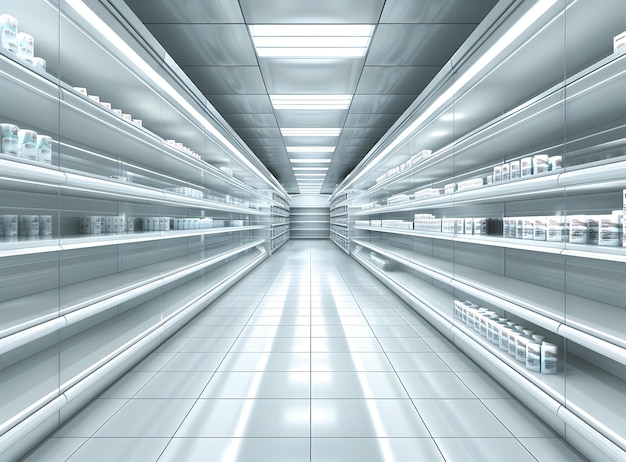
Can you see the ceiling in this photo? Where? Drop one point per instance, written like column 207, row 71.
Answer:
column 210, row 40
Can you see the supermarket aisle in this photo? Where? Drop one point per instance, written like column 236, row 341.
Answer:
column 309, row 358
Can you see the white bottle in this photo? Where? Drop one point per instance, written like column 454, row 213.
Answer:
column 10, row 139
column 8, row 29
column 45, row 225
column 25, row 46
column 533, row 356
column 28, row 144
column 44, row 149
column 549, row 358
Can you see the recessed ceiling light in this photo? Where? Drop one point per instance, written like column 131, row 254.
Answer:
column 311, row 41
column 310, row 161
column 300, row 169
column 299, row 175
column 310, row 131
column 311, row 149
column 311, row 102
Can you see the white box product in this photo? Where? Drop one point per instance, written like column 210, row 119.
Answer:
column 578, row 229
column 497, row 173
column 91, row 225
column 506, row 173
column 515, row 169
column 610, row 229
column 44, row 149
column 619, row 42
column 29, row 225
column 540, row 229
column 450, row 188
column 45, row 225
column 555, row 229
column 592, row 229
column 8, row 225
column 526, row 166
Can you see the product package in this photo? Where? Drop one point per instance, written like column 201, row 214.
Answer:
column 540, row 229
column 549, row 358
column 27, row 140
column 10, row 139
column 8, row 29
column 497, row 173
column 44, row 149
column 8, row 225
column 39, row 63
column 506, row 173
column 45, row 225
column 555, row 229
column 555, row 163
column 619, row 42
column 526, row 166
column 515, row 169
column 29, row 225
column 25, row 45
column 592, row 229
column 578, row 229
column 610, row 229
column 540, row 163
column 91, row 225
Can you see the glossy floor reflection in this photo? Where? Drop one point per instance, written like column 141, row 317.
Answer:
column 309, row 358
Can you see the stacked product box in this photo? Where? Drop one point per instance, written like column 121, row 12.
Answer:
column 398, row 199
column 426, row 223
column 362, row 223
column 189, row 192
column 521, row 343
column 526, row 166
column 401, row 224
column 427, row 193
column 603, row 230
column 470, row 184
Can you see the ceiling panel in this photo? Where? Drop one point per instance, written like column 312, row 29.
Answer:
column 251, row 120
column 227, row 80
column 241, row 104
column 416, row 44
column 436, row 11
column 289, row 118
column 311, row 76
column 258, row 132
column 311, row 12
column 408, row 81
column 209, row 39
column 206, row 44
column 379, row 104
column 186, row 11
column 371, row 120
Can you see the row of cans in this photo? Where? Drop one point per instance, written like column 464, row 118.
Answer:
column 25, row 225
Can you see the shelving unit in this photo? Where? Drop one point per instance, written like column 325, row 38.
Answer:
column 434, row 243
column 310, row 217
column 280, row 228
column 180, row 209
column 339, row 226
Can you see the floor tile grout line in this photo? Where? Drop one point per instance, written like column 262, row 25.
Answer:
column 216, row 369
column 400, row 380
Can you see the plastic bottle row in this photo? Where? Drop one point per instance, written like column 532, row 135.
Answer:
column 518, row 341
column 25, row 144
column 20, row 44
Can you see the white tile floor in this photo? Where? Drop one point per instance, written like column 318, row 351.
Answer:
column 309, row 358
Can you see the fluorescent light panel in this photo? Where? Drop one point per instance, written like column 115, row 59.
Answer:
column 309, row 169
column 311, row 102
column 310, row 161
column 310, row 131
column 311, row 41
column 311, row 149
